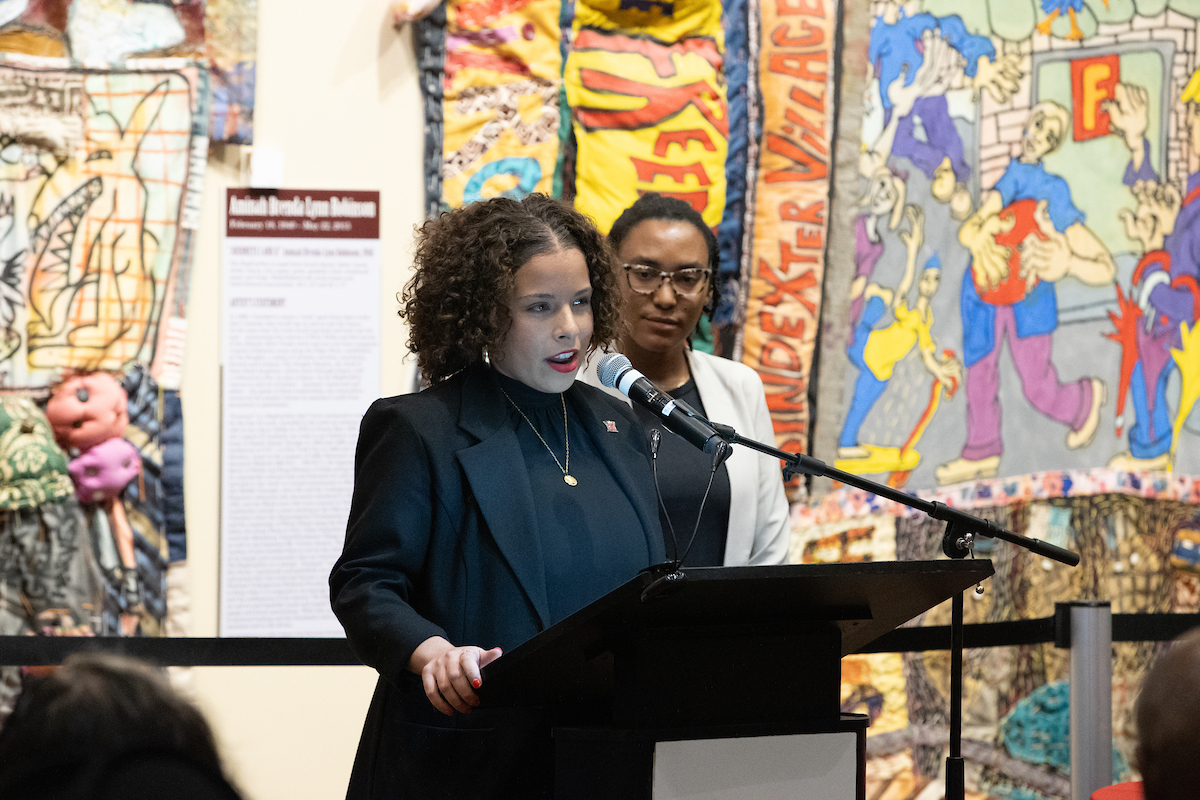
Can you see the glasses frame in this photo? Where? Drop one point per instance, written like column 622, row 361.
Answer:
column 665, row 276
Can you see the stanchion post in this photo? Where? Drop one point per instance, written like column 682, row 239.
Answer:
column 1091, row 697
column 956, row 768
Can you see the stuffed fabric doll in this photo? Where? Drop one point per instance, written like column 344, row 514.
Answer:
column 89, row 414
column 102, row 472
column 87, row 410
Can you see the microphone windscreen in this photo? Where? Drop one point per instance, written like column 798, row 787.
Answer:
column 610, row 368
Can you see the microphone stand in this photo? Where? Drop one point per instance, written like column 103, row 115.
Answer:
column 958, row 541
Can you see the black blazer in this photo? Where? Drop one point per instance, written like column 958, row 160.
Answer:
column 438, row 544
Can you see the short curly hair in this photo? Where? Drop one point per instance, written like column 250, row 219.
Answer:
column 466, row 262
column 654, row 206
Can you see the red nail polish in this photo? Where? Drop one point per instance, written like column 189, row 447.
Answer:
column 477, row 683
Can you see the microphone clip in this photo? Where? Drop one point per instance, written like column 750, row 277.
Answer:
column 721, row 452
column 668, row 579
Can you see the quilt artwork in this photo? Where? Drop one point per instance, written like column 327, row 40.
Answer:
column 1137, row 536
column 1024, row 286
column 101, row 172
column 648, row 105
column 503, row 75
column 221, row 33
column 784, row 266
column 602, row 101
column 1019, row 298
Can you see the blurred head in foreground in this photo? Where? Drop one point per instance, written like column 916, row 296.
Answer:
column 103, row 726
column 1168, row 722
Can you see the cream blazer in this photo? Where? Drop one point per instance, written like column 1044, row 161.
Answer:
column 732, row 393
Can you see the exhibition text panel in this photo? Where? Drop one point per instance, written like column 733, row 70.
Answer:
column 300, row 356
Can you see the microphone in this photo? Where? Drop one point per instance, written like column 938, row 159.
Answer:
column 615, row 372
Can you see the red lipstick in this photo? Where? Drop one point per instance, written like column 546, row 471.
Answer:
column 570, row 365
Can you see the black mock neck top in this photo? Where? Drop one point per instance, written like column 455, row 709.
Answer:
column 683, row 473
column 590, row 536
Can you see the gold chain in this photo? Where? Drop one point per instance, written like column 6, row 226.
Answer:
column 568, row 479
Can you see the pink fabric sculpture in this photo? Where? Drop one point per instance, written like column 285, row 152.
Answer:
column 89, row 415
column 102, row 472
column 87, row 410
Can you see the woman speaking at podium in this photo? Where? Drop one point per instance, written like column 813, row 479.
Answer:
column 491, row 505
column 668, row 278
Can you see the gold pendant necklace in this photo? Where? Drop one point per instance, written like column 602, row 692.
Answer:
column 568, row 478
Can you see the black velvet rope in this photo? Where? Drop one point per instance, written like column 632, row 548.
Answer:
column 984, row 634
column 35, row 651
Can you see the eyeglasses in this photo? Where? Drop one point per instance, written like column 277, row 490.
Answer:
column 646, row 280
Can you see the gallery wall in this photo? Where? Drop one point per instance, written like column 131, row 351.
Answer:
column 338, row 96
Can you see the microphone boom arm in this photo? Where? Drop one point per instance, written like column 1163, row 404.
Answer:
column 959, row 522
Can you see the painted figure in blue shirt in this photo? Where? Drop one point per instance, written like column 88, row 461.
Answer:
column 1023, row 309
column 898, row 48
column 1165, row 283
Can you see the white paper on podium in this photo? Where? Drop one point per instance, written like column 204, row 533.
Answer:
column 818, row 765
column 300, row 365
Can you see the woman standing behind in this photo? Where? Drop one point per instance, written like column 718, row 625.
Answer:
column 491, row 505
column 668, row 258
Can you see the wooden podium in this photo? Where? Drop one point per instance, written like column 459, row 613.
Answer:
column 720, row 666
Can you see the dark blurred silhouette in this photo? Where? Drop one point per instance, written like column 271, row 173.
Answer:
column 107, row 727
column 1168, row 723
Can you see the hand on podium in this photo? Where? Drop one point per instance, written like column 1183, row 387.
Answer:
column 450, row 674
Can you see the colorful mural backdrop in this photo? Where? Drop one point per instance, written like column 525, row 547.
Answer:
column 503, row 74
column 639, row 103
column 1137, row 536
column 644, row 82
column 101, row 172
column 103, row 143
column 1020, row 300
column 231, row 35
column 220, row 33
column 1024, row 287
column 784, row 265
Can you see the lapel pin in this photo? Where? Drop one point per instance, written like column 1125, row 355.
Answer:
column 610, row 426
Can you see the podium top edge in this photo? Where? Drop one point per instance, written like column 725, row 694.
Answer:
column 968, row 566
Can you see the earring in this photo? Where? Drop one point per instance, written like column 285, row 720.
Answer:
column 487, row 359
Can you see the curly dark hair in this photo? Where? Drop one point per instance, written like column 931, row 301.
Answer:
column 466, row 263
column 653, row 205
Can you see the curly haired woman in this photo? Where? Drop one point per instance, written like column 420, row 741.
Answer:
column 491, row 505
